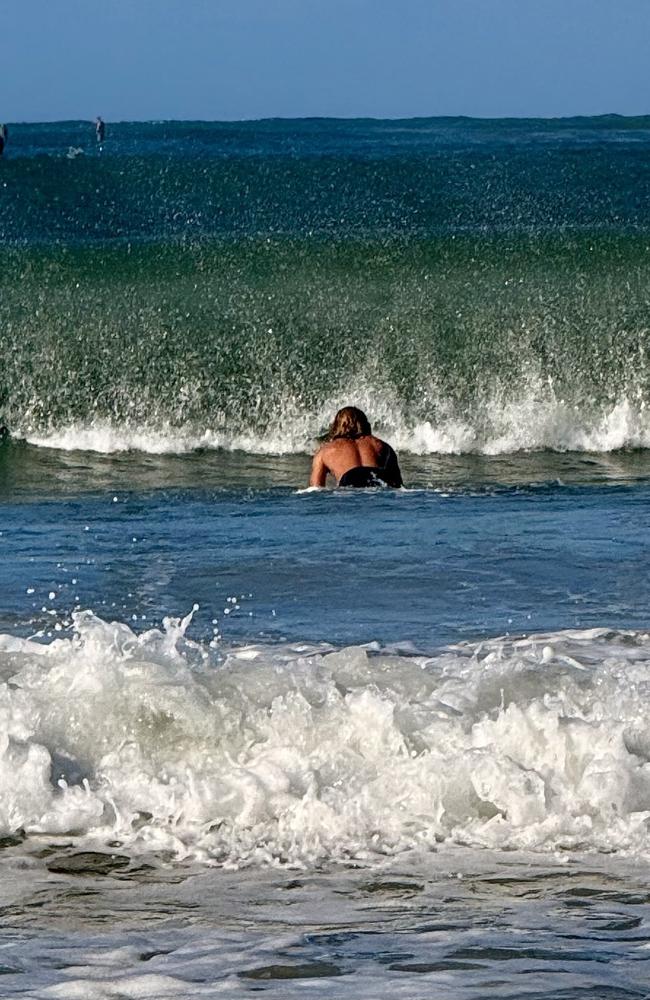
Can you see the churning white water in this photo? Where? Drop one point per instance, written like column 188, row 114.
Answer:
column 299, row 755
column 536, row 420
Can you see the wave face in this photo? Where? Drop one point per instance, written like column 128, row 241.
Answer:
column 477, row 286
column 294, row 754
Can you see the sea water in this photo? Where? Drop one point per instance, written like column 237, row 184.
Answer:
column 348, row 744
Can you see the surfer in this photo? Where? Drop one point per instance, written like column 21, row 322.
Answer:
column 353, row 455
column 4, row 135
column 100, row 129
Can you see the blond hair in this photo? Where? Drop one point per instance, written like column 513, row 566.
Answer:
column 351, row 423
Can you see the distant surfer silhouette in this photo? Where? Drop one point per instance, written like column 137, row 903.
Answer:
column 100, row 129
column 353, row 455
column 4, row 135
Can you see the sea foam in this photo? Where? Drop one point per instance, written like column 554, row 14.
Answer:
column 299, row 755
column 521, row 425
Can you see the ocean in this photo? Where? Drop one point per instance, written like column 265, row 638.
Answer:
column 325, row 743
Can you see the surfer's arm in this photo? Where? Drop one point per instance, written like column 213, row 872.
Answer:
column 392, row 470
column 318, row 470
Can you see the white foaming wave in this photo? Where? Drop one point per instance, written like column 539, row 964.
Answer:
column 529, row 423
column 294, row 754
column 109, row 439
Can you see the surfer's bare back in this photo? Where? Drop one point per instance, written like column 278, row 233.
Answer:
column 353, row 455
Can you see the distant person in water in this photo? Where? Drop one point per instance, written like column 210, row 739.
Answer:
column 100, row 129
column 4, row 135
column 353, row 455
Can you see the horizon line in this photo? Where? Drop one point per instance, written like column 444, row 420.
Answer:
column 316, row 118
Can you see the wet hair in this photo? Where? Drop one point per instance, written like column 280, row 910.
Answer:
column 351, row 423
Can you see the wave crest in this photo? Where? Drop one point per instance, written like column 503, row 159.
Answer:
column 525, row 424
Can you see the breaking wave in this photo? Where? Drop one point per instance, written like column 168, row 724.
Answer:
column 478, row 288
column 523, row 425
column 303, row 755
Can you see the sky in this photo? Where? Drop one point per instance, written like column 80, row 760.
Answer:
column 240, row 59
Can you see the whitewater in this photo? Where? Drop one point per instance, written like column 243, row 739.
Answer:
column 299, row 756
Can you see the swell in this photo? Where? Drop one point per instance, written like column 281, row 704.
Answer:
column 485, row 344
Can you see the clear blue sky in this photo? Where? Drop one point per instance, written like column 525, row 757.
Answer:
column 231, row 59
